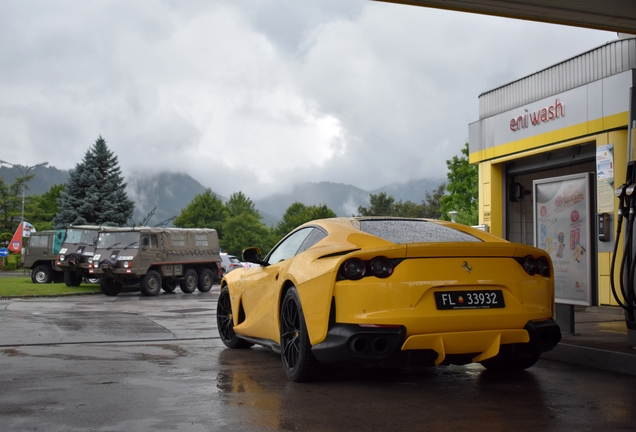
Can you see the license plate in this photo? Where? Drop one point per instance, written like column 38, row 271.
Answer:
column 469, row 299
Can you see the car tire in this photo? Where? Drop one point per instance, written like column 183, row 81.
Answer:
column 169, row 285
column 206, row 280
column 41, row 275
column 110, row 287
column 295, row 350
column 189, row 282
column 225, row 322
column 91, row 280
column 72, row 279
column 151, row 283
column 496, row 364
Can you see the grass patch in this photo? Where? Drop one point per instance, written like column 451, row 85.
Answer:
column 15, row 286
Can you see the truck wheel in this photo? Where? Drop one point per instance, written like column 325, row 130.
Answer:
column 41, row 275
column 189, row 282
column 206, row 280
column 110, row 287
column 72, row 279
column 151, row 283
column 169, row 285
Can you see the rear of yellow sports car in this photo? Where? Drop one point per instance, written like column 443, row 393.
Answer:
column 441, row 302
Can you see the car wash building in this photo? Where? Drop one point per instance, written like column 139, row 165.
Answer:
column 552, row 148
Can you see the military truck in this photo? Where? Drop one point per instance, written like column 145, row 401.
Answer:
column 156, row 258
column 40, row 254
column 76, row 250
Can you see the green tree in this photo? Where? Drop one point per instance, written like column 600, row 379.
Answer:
column 432, row 205
column 239, row 204
column 11, row 204
column 463, row 180
column 407, row 209
column 205, row 210
column 381, row 205
column 245, row 230
column 95, row 192
column 43, row 208
column 298, row 213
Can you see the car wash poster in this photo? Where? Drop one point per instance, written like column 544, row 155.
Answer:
column 562, row 228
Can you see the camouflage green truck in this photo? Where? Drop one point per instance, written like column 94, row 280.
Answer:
column 155, row 259
column 40, row 254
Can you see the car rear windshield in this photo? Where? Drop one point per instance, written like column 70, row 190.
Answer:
column 414, row 231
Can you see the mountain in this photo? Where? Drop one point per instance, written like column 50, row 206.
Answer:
column 164, row 193
column 414, row 190
column 341, row 198
column 168, row 193
column 44, row 178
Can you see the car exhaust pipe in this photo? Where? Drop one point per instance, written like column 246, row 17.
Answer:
column 370, row 345
column 544, row 335
column 381, row 345
column 359, row 345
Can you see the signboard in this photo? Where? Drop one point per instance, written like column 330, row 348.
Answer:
column 605, row 179
column 4, row 252
column 562, row 228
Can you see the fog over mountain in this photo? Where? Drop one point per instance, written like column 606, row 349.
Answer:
column 162, row 196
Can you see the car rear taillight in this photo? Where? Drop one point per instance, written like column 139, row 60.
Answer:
column 381, row 267
column 354, row 269
column 543, row 266
column 534, row 265
column 530, row 265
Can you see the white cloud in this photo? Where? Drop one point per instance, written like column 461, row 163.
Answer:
column 256, row 95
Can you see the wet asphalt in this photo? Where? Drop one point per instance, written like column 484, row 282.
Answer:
column 133, row 363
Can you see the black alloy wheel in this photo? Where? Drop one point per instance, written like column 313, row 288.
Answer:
column 225, row 322
column 206, row 280
column 189, row 282
column 41, row 275
column 298, row 360
column 151, row 283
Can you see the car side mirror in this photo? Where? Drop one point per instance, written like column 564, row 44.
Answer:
column 253, row 255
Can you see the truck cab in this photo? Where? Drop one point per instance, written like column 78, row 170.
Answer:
column 40, row 256
column 75, row 252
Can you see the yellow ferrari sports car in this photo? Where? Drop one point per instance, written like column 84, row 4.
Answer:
column 391, row 291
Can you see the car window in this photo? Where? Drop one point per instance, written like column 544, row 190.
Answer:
column 403, row 231
column 289, row 246
column 233, row 259
column 313, row 238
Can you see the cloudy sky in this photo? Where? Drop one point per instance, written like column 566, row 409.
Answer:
column 255, row 95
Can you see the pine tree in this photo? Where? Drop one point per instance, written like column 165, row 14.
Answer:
column 95, row 192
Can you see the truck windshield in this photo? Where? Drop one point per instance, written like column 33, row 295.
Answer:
column 80, row 236
column 110, row 240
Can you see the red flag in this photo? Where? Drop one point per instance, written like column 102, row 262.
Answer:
column 16, row 240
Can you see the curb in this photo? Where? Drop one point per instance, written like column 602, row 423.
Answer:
column 593, row 357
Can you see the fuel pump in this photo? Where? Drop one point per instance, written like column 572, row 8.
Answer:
column 627, row 213
column 627, row 205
